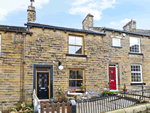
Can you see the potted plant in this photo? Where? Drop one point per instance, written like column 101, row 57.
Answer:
column 105, row 93
column 70, row 97
column 60, row 93
column 111, row 93
column 52, row 99
column 83, row 88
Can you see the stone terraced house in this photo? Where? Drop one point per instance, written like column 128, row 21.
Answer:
column 43, row 57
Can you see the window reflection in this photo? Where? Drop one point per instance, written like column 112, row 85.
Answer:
column 75, row 45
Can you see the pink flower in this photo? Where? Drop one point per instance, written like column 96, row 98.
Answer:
column 69, row 90
column 72, row 91
column 74, row 88
column 107, row 91
column 103, row 90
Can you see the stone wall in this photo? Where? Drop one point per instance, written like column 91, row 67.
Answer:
column 124, row 60
column 45, row 46
column 10, row 67
column 145, row 108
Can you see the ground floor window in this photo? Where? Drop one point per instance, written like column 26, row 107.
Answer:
column 76, row 78
column 136, row 73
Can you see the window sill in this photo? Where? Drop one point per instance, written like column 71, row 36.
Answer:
column 136, row 53
column 74, row 55
column 138, row 83
column 116, row 46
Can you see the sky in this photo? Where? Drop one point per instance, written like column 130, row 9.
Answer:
column 70, row 13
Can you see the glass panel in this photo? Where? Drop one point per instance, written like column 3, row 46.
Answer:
column 72, row 40
column 42, row 69
column 45, row 80
column 40, row 80
column 109, row 75
column 114, row 77
column 72, row 83
column 78, row 50
column 116, row 42
column 72, row 74
column 79, row 74
column 134, row 44
column 111, row 69
column 72, row 49
column 78, row 41
column 79, row 84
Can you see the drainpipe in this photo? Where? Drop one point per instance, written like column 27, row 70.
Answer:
column 24, row 35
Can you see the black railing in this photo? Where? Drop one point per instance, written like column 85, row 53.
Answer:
column 103, row 104
column 125, row 98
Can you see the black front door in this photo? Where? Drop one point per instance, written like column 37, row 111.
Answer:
column 43, row 85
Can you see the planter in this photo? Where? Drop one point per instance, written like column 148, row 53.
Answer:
column 52, row 100
column 60, row 99
column 82, row 89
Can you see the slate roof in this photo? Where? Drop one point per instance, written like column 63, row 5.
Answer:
column 13, row 27
column 16, row 29
column 127, row 32
column 63, row 28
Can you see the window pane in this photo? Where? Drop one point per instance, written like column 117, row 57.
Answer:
column 78, row 50
column 72, row 49
column 71, row 40
column 42, row 69
column 78, row 41
column 134, row 45
column 116, row 42
column 72, row 74
column 79, row 84
column 72, row 84
column 79, row 74
column 136, row 73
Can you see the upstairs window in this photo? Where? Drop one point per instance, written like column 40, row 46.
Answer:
column 136, row 73
column 135, row 45
column 116, row 42
column 75, row 45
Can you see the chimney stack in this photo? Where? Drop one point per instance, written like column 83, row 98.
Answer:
column 31, row 12
column 87, row 22
column 130, row 26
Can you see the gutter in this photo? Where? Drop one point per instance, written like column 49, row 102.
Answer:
column 24, row 35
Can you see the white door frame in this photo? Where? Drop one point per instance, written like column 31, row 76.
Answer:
column 116, row 66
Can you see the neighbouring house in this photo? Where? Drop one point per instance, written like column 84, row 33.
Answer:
column 32, row 58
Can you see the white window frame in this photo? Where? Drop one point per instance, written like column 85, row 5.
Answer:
column 137, row 72
column 119, row 42
column 139, row 44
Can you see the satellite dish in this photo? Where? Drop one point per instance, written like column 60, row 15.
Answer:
column 123, row 34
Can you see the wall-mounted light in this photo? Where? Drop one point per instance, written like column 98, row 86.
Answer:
column 60, row 66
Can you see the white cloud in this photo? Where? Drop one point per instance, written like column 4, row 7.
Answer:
column 9, row 6
column 126, row 20
column 95, row 7
column 80, row 2
column 114, row 23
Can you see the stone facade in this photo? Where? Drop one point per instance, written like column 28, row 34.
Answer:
column 46, row 44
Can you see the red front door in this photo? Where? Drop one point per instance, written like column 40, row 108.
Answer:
column 112, row 78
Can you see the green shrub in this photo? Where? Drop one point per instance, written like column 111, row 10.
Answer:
column 111, row 92
column 104, row 92
column 84, row 87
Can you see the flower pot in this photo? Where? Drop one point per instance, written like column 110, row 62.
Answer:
column 82, row 89
column 60, row 99
column 51, row 100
